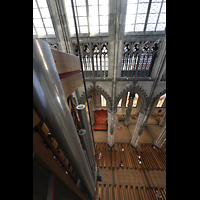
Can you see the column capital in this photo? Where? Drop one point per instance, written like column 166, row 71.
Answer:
column 111, row 111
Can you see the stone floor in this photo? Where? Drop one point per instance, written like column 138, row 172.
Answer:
column 124, row 134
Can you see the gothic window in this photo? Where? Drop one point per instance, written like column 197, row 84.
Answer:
column 104, row 59
column 96, row 50
column 152, row 52
column 104, row 50
column 103, row 101
column 137, row 61
column 86, row 49
column 96, row 58
column 126, row 60
column 135, row 48
column 144, row 57
column 100, row 60
column 127, row 99
column 129, row 59
column 161, row 101
column 87, row 62
column 135, row 100
column 120, row 103
column 126, row 48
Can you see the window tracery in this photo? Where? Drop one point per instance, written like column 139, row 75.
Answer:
column 95, row 59
column 87, row 63
column 129, row 59
column 137, row 58
column 104, row 59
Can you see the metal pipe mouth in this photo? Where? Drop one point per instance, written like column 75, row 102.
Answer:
column 82, row 132
column 80, row 107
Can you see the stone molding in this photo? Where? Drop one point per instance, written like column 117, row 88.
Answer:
column 99, row 89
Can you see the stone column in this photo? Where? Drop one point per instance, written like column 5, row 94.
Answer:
column 159, row 65
column 117, row 16
column 163, row 120
column 90, row 101
column 138, row 128
column 124, row 103
column 129, row 109
column 161, row 138
column 111, row 126
column 58, row 16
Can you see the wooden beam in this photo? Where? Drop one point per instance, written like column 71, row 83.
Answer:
column 71, row 84
column 69, row 70
column 65, row 62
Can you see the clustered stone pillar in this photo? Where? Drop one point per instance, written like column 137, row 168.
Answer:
column 163, row 120
column 111, row 126
column 129, row 109
column 90, row 100
column 123, row 105
column 161, row 138
column 138, row 128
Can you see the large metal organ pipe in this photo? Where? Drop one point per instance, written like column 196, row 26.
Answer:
column 87, row 137
column 51, row 105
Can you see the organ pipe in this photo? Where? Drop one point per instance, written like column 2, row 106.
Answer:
column 51, row 105
column 87, row 140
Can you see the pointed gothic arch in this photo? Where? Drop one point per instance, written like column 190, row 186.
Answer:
column 139, row 90
column 101, row 91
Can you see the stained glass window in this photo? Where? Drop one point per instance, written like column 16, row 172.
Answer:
column 103, row 101
column 135, row 100
column 127, row 99
column 120, row 103
column 161, row 100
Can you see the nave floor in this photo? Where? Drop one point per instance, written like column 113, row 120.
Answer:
column 124, row 134
column 133, row 177
column 133, row 181
column 110, row 192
